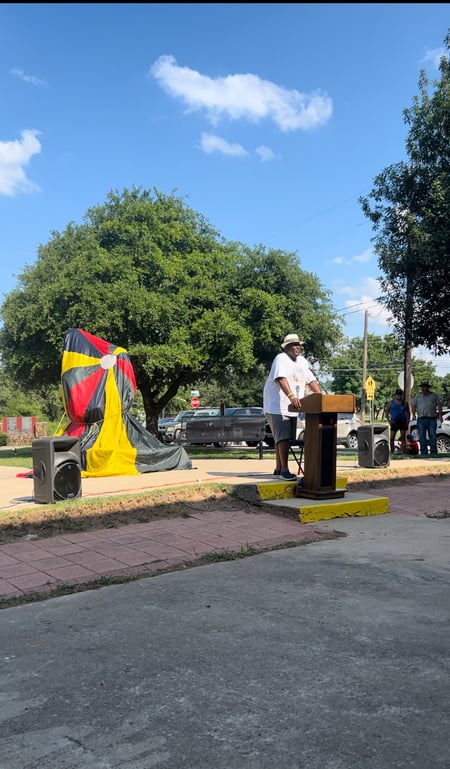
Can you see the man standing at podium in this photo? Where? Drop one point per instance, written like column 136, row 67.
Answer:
column 288, row 377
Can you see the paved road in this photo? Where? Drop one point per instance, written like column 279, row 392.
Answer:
column 333, row 655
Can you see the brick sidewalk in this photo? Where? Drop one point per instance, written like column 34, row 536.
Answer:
column 43, row 565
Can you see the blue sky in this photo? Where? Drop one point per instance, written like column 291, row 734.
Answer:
column 269, row 119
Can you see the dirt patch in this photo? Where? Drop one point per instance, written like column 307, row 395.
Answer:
column 360, row 478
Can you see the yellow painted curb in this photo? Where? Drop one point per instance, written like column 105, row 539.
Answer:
column 356, row 508
column 285, row 489
column 276, row 490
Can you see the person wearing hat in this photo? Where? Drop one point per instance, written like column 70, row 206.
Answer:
column 428, row 406
column 288, row 377
column 398, row 415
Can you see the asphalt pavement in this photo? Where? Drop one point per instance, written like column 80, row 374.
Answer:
column 329, row 655
column 332, row 655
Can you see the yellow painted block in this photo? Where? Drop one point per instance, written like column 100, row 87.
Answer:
column 277, row 490
column 355, row 508
column 285, row 489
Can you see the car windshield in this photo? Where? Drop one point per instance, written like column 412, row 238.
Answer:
column 244, row 411
column 182, row 415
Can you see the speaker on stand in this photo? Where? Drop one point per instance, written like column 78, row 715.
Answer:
column 373, row 445
column 56, row 468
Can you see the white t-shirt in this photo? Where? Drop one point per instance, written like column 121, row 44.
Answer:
column 298, row 374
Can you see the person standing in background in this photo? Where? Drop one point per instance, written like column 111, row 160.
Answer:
column 285, row 385
column 398, row 414
column 428, row 406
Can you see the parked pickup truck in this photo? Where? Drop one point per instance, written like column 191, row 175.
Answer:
column 243, row 424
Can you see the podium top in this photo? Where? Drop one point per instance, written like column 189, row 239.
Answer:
column 318, row 403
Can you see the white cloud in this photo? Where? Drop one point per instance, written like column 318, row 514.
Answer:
column 210, row 143
column 434, row 55
column 243, row 96
column 375, row 311
column 14, row 155
column 366, row 256
column 265, row 153
column 363, row 296
column 33, row 79
column 441, row 362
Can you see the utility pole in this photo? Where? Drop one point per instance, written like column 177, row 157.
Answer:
column 364, row 370
column 405, row 225
column 408, row 329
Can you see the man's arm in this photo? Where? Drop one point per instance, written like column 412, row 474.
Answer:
column 284, row 385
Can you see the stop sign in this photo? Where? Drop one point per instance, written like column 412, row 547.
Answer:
column 195, row 403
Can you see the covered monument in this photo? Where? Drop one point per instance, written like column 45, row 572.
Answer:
column 98, row 390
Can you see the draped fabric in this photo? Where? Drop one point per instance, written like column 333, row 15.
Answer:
column 98, row 390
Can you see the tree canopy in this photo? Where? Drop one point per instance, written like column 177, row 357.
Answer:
column 146, row 272
column 409, row 207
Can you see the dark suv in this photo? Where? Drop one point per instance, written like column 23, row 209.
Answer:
column 238, row 424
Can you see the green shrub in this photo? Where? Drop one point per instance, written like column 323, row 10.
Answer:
column 3, row 439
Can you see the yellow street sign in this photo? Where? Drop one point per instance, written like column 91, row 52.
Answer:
column 370, row 388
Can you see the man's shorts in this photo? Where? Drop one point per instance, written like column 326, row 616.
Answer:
column 283, row 428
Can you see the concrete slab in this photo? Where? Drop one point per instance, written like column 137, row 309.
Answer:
column 355, row 504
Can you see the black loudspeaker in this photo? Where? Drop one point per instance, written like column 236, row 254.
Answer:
column 373, row 445
column 56, row 468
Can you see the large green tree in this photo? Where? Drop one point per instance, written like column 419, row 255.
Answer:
column 409, row 207
column 146, row 272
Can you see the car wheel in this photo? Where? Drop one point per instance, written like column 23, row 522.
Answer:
column 251, row 444
column 221, row 444
column 352, row 441
column 443, row 444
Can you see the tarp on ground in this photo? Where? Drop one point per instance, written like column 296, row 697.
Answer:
column 98, row 390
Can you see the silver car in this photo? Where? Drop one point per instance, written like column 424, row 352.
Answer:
column 442, row 432
column 171, row 430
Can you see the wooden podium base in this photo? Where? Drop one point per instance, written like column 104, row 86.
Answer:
column 321, row 412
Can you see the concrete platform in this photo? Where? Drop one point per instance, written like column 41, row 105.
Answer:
column 355, row 504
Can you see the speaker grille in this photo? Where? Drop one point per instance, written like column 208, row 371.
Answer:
column 67, row 481
column 381, row 454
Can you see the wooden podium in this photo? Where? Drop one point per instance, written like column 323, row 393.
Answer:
column 321, row 442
